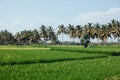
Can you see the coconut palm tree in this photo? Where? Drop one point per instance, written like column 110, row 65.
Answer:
column 88, row 30
column 51, row 35
column 17, row 37
column 35, row 37
column 79, row 31
column 53, row 38
column 97, row 31
column 25, row 37
column 104, row 33
column 6, row 37
column 115, row 30
column 118, row 28
column 49, row 32
column 71, row 31
column 43, row 32
column 61, row 30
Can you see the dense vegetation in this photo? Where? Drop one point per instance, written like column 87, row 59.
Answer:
column 47, row 33
column 59, row 63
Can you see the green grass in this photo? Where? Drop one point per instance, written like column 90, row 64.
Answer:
column 22, row 46
column 116, row 77
column 97, row 69
column 59, row 63
column 109, row 50
column 23, row 56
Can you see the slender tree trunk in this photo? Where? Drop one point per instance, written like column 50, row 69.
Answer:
column 111, row 40
column 62, row 38
column 99, row 43
column 77, row 40
column 45, row 42
column 97, row 40
column 70, row 41
column 105, row 41
column 90, row 42
column 118, row 40
column 73, row 41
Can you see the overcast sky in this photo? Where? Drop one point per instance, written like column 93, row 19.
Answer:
column 17, row 15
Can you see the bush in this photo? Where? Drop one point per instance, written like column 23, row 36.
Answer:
column 85, row 40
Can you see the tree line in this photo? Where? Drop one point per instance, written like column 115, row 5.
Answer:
column 94, row 31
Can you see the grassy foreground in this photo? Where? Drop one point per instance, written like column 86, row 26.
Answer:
column 59, row 63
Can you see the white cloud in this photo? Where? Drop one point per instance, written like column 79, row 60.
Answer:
column 17, row 24
column 98, row 16
column 14, row 24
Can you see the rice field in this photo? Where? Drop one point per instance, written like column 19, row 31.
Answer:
column 59, row 63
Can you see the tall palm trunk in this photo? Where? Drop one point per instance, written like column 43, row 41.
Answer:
column 70, row 41
column 97, row 40
column 62, row 37
column 118, row 40
column 77, row 40
column 105, row 41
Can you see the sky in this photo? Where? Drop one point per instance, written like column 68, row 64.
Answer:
column 17, row 15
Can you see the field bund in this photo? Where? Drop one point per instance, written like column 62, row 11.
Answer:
column 25, row 48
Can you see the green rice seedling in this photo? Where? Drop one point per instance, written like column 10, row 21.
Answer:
column 59, row 63
column 94, row 69
column 25, row 56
